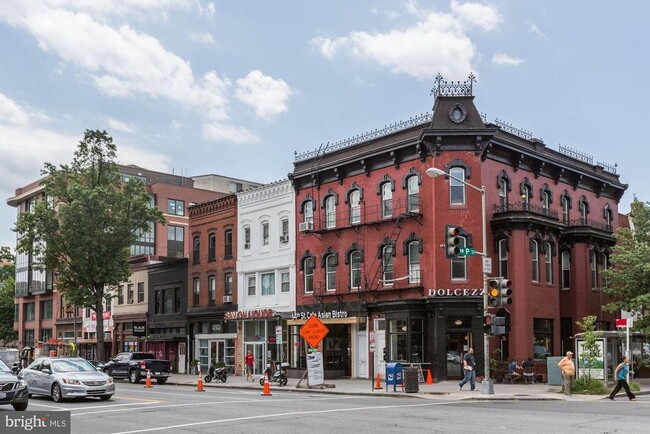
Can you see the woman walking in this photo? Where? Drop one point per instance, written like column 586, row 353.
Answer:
column 621, row 375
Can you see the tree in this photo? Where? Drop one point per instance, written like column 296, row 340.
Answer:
column 83, row 229
column 628, row 279
column 590, row 349
column 7, row 278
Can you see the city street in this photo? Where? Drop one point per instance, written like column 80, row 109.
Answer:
column 179, row 409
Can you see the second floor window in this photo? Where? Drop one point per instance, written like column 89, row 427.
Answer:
column 534, row 258
column 413, row 192
column 196, row 254
column 355, row 269
column 247, row 238
column 227, row 290
column 285, row 282
column 549, row 262
column 386, row 200
column 414, row 262
column 330, row 212
column 308, row 211
column 330, row 273
column 503, row 257
column 387, row 265
column 251, row 285
column 594, row 270
column 175, row 207
column 129, row 294
column 196, row 291
column 355, row 207
column 30, row 311
column 265, row 234
column 284, row 230
column 120, row 294
column 227, row 237
column 212, row 247
column 212, row 289
column 268, row 283
column 308, row 269
column 566, row 269
column 140, row 292
column 456, row 187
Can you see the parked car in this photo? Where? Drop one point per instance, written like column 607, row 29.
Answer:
column 66, row 377
column 11, row 357
column 134, row 366
column 12, row 389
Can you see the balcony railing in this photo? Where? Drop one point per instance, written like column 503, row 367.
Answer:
column 526, row 207
column 591, row 223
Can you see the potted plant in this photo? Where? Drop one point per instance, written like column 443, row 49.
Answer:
column 193, row 364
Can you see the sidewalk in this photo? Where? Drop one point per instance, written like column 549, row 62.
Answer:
column 447, row 390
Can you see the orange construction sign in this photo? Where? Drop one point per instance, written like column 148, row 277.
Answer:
column 314, row 331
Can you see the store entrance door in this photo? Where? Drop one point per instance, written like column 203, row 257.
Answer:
column 458, row 342
column 258, row 355
column 217, row 351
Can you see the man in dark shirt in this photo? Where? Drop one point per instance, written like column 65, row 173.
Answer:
column 468, row 369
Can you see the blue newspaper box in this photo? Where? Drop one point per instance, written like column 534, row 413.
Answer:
column 393, row 375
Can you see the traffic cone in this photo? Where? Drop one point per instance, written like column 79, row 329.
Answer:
column 199, row 384
column 147, row 383
column 267, row 388
column 429, row 377
column 378, row 383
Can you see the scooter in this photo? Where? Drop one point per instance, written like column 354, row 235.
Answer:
column 279, row 376
column 217, row 374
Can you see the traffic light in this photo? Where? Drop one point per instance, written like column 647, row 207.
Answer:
column 452, row 241
column 499, row 292
column 499, row 325
column 488, row 321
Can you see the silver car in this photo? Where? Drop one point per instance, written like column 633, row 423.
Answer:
column 66, row 377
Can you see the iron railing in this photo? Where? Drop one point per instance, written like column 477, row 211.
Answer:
column 590, row 223
column 526, row 207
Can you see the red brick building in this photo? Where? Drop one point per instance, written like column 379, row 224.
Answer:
column 372, row 227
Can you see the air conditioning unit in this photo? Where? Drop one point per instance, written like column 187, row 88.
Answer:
column 306, row 226
column 247, row 246
column 227, row 298
column 284, row 238
column 130, row 301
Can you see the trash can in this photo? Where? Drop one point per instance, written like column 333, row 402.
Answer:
column 393, row 375
column 411, row 380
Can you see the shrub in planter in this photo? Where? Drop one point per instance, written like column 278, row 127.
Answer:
column 588, row 386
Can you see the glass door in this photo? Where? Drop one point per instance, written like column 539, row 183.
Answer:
column 258, row 355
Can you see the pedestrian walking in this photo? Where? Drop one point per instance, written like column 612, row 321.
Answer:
column 248, row 361
column 468, row 369
column 568, row 371
column 621, row 372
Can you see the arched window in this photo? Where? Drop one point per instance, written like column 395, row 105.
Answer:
column 459, row 263
column 503, row 184
column 594, row 269
column 566, row 206
column 413, row 192
column 355, row 269
column 387, row 255
column 607, row 213
column 503, row 257
column 566, row 269
column 534, row 258
column 546, row 201
column 330, row 272
column 386, row 200
column 330, row 212
column 583, row 205
column 308, row 271
column 308, row 211
column 355, row 207
column 456, row 187
column 605, row 262
column 548, row 250
column 414, row 261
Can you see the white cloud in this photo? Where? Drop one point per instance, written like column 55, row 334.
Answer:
column 505, row 59
column 208, row 9
column 11, row 112
column 436, row 43
column 532, row 28
column 202, row 37
column 120, row 126
column 223, row 132
column 266, row 95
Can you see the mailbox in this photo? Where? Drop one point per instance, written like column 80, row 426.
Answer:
column 393, row 375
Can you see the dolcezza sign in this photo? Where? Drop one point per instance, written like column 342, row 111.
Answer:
column 456, row 292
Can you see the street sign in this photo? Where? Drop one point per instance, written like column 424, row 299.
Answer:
column 314, row 331
column 487, row 265
column 467, row 251
column 623, row 322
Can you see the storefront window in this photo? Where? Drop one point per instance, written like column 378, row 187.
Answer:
column 542, row 338
column 406, row 340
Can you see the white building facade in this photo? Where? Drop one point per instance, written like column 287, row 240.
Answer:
column 266, row 270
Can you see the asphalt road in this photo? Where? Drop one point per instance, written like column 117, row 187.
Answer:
column 179, row 409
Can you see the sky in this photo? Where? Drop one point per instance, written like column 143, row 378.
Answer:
column 236, row 87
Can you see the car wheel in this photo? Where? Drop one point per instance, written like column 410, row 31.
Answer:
column 56, row 393
column 134, row 377
column 105, row 397
column 161, row 380
column 20, row 407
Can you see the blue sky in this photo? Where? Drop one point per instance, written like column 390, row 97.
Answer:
column 235, row 87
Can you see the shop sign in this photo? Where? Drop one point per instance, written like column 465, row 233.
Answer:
column 139, row 328
column 456, row 292
column 89, row 324
column 248, row 314
column 321, row 314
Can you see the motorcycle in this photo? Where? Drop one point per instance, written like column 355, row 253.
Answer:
column 217, row 374
column 279, row 376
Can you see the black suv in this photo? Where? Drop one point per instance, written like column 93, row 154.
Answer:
column 12, row 389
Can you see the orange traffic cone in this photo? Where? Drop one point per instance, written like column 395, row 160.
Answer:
column 429, row 377
column 378, row 383
column 199, row 384
column 267, row 388
column 147, row 383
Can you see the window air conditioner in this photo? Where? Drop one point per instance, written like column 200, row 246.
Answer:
column 306, row 226
column 227, row 298
column 284, row 238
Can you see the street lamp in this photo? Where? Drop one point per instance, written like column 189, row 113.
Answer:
column 433, row 172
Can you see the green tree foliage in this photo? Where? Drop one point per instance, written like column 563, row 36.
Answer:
column 8, row 335
column 590, row 348
column 628, row 279
column 83, row 229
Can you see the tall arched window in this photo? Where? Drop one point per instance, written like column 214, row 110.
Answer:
column 330, row 272
column 548, row 249
column 503, row 193
column 355, row 207
column 330, row 212
column 456, row 187
column 566, row 205
column 459, row 263
column 566, row 269
column 308, row 211
column 594, row 269
column 534, row 258
column 308, row 270
column 386, row 200
column 387, row 254
column 413, row 192
column 525, row 196
column 414, row 261
column 503, row 257
column 608, row 216
column 355, row 269
column 546, row 201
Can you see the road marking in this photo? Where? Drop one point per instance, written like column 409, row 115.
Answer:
column 293, row 413
column 47, row 406
column 195, row 404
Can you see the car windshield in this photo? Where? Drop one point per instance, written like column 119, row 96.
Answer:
column 72, row 366
column 4, row 367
